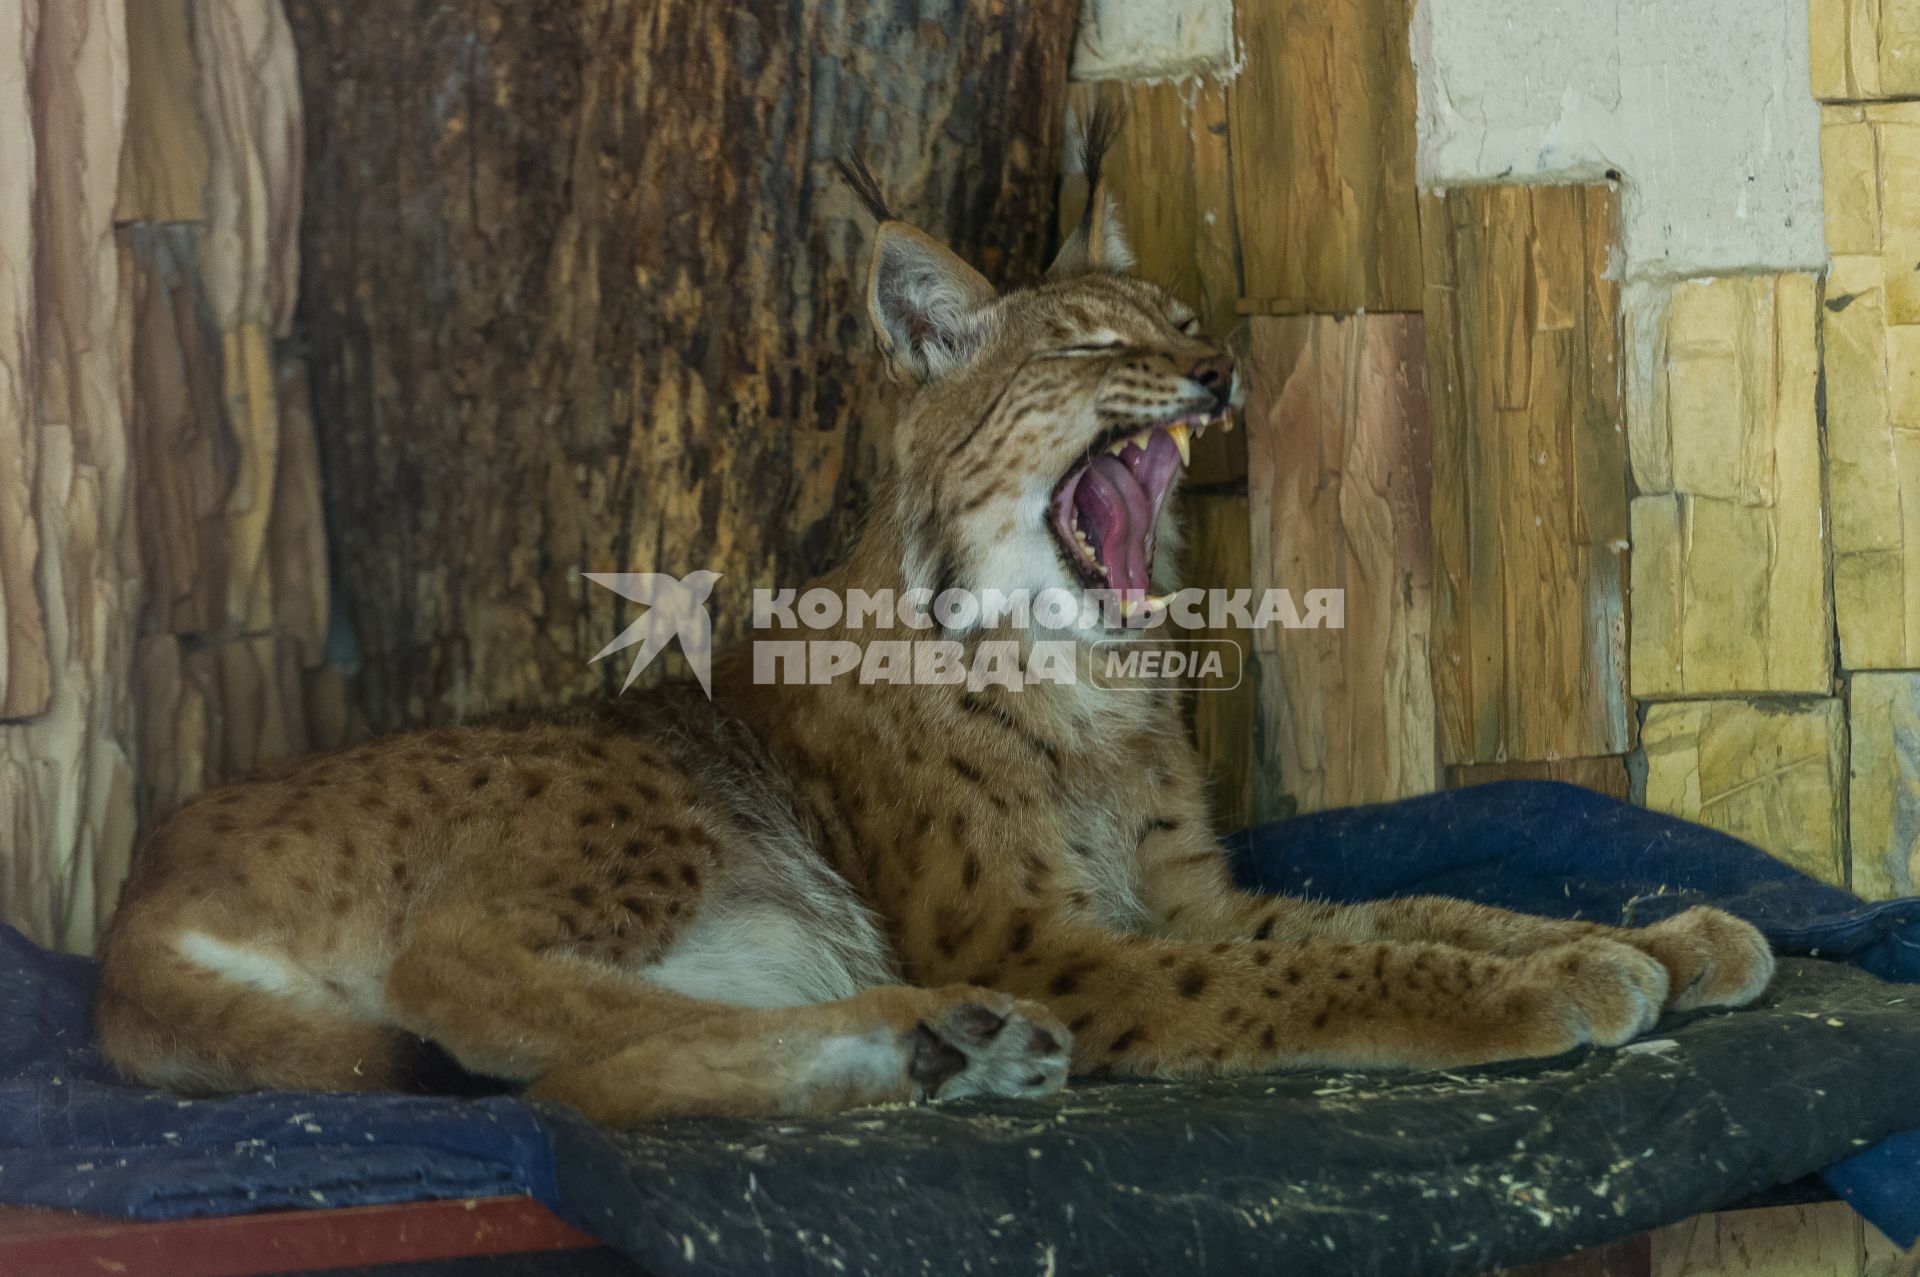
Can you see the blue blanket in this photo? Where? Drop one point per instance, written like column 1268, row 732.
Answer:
column 72, row 1136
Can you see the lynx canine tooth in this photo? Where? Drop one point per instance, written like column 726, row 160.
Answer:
column 1183, row 440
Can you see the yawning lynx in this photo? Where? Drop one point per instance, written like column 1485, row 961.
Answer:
column 798, row 898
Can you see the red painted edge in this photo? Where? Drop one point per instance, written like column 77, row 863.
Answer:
column 36, row 1243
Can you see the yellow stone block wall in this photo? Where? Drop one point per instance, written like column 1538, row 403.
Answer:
column 1864, row 49
column 1770, row 770
column 1884, row 785
column 1775, row 445
column 1729, row 569
column 1871, row 323
column 1731, row 645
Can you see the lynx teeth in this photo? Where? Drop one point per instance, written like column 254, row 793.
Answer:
column 1180, row 432
column 1151, row 603
column 1182, row 439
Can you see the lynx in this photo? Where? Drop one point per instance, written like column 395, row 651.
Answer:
column 797, row 898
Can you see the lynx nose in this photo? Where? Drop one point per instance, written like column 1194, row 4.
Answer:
column 1216, row 376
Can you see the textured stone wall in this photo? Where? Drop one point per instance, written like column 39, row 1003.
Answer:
column 163, row 582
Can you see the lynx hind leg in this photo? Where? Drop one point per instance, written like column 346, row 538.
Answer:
column 167, row 1022
column 887, row 1045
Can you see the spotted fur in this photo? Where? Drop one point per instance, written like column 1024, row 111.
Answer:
column 803, row 897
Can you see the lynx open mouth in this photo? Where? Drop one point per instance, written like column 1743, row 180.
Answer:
column 1107, row 508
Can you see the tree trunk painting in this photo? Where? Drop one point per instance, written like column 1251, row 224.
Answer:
column 583, row 294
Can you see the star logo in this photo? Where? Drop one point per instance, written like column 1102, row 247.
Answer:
column 675, row 607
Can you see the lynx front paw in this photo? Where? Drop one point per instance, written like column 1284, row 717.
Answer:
column 1599, row 991
column 1713, row 959
column 980, row 1042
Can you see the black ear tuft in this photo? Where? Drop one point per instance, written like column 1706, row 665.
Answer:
column 1103, row 126
column 1097, row 139
column 1097, row 241
column 860, row 179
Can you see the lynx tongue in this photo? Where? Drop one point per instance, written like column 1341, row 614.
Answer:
column 1117, row 515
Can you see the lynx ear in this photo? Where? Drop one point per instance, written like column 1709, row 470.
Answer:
column 1097, row 243
column 928, row 307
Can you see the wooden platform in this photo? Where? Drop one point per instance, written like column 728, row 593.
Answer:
column 45, row 1243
